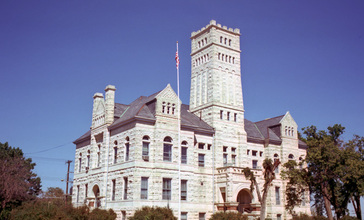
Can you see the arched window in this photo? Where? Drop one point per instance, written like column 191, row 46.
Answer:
column 79, row 163
column 233, row 60
column 88, row 159
column 184, row 152
column 99, row 155
column 205, row 40
column 218, row 56
column 145, row 150
column 225, row 41
column 115, row 152
column 276, row 157
column 199, row 44
column 229, row 42
column 173, row 108
column 292, row 132
column 290, row 157
column 220, row 39
column 167, row 149
column 285, row 130
column 300, row 162
column 164, row 107
column 127, row 148
column 289, row 131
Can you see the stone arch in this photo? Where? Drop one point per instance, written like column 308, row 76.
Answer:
column 244, row 198
column 96, row 195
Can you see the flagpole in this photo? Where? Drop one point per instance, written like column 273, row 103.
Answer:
column 179, row 137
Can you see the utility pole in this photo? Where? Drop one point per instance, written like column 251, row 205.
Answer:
column 68, row 177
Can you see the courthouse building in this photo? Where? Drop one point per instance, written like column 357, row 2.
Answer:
column 132, row 156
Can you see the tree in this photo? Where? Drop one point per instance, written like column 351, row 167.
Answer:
column 352, row 171
column 54, row 192
column 269, row 176
column 18, row 183
column 155, row 213
column 334, row 172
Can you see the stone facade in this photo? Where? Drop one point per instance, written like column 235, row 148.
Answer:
column 135, row 155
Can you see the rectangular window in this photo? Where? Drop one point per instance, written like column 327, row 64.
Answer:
column 183, row 215
column 224, row 149
column 221, row 114
column 233, row 150
column 115, row 155
column 88, row 161
column 224, row 159
column 167, row 152
column 201, row 216
column 123, row 215
column 145, row 148
column 233, row 158
column 228, row 116
column 278, row 199
column 125, row 188
column 201, row 160
column 98, row 159
column 184, row 190
column 254, row 153
column 209, row 147
column 247, row 152
column 144, row 188
column 127, row 146
column 201, row 145
column 79, row 164
column 235, row 117
column 279, row 216
column 86, row 190
column 223, row 193
column 261, row 153
column 78, row 194
column 167, row 187
column 184, row 155
column 255, row 164
column 113, row 190
column 277, row 169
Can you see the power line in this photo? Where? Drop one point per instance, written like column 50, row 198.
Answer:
column 48, row 149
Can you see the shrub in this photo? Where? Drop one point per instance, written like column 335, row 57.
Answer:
column 44, row 209
column 347, row 217
column 153, row 213
column 228, row 216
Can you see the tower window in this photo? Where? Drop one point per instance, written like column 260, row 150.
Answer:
column 229, row 42
column 225, row 40
column 221, row 114
column 235, row 117
column 220, row 39
column 228, row 116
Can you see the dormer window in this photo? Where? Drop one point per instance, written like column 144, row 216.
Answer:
column 164, row 107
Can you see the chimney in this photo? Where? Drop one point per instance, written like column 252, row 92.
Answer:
column 98, row 98
column 109, row 104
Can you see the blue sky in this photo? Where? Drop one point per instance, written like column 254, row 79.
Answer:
column 306, row 57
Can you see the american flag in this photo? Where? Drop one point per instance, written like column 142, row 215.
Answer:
column 177, row 59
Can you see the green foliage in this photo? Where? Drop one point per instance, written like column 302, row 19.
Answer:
column 153, row 213
column 47, row 209
column 347, row 217
column 18, row 183
column 334, row 173
column 53, row 192
column 228, row 216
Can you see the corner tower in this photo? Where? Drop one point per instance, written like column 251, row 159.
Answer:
column 216, row 93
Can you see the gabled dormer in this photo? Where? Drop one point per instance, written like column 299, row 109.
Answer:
column 167, row 103
column 288, row 126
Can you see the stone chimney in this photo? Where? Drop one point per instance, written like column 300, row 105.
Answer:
column 98, row 100
column 109, row 104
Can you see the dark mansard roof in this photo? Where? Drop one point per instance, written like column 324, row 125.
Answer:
column 143, row 108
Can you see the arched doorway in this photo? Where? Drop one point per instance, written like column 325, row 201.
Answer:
column 245, row 199
column 96, row 192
